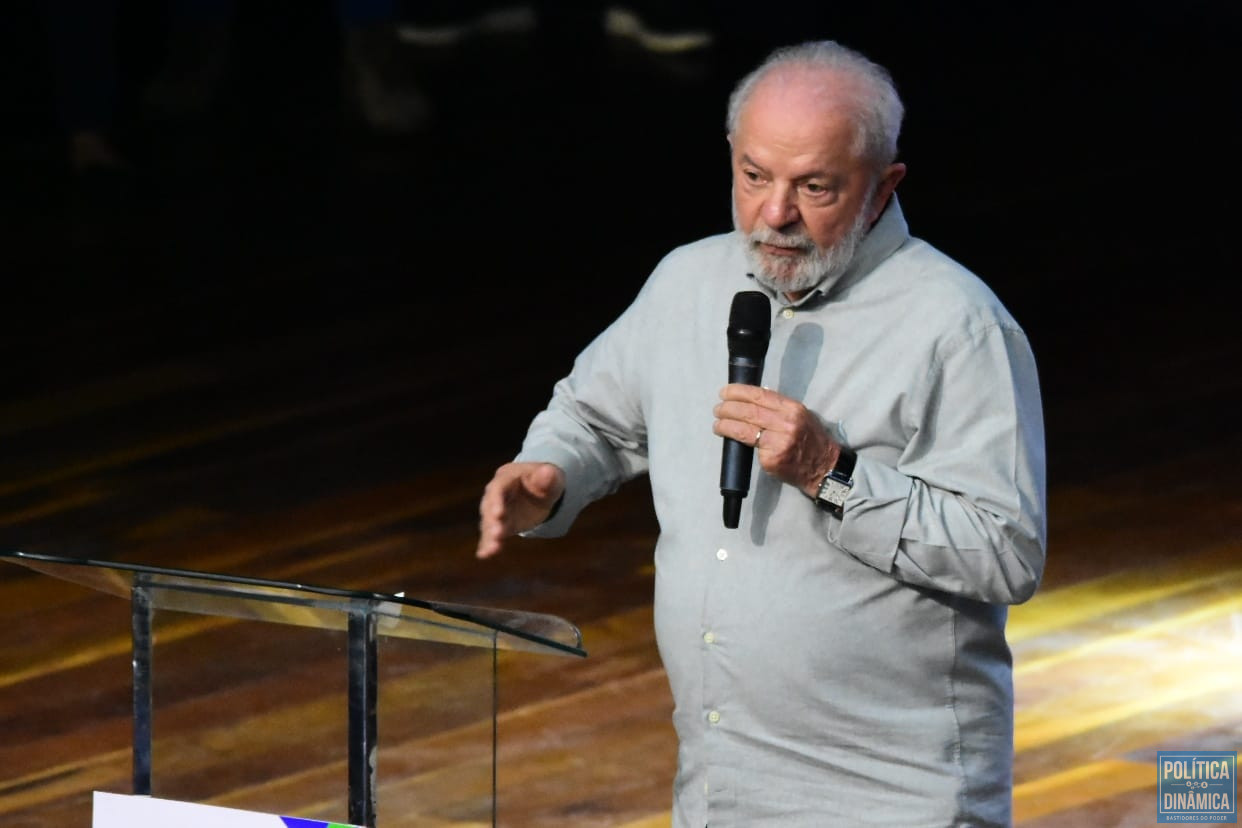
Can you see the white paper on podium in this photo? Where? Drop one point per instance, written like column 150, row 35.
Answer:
column 119, row 811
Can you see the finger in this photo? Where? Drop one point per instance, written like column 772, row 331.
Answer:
column 741, row 392
column 495, row 525
column 491, row 535
column 486, row 548
column 762, row 398
column 489, row 539
column 493, row 513
column 744, row 432
column 744, row 412
column 492, row 506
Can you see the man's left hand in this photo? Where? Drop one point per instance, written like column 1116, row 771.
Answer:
column 790, row 442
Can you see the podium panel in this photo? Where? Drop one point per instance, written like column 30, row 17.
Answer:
column 269, row 731
column 295, row 709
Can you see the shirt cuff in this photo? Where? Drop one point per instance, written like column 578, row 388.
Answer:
column 574, row 499
column 874, row 514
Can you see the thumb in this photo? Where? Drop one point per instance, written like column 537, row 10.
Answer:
column 544, row 482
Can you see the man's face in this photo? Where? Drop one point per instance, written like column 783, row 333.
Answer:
column 801, row 193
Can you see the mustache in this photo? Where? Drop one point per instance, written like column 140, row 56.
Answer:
column 762, row 234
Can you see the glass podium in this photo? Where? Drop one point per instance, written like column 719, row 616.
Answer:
column 363, row 617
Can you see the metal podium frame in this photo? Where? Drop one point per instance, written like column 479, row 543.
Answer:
column 364, row 616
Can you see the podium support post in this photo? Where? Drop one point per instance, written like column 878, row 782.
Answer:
column 140, row 621
column 363, row 728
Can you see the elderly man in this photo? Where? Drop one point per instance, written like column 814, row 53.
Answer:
column 840, row 658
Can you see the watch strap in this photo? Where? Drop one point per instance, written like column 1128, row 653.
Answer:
column 844, row 469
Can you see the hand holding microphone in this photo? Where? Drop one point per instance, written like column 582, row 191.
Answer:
column 793, row 444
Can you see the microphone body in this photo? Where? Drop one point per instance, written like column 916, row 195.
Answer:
column 750, row 327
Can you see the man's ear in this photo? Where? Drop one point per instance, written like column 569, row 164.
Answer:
column 889, row 179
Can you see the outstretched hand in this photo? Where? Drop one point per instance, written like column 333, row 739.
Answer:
column 520, row 496
column 790, row 442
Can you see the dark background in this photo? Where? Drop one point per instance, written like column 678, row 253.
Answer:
column 432, row 286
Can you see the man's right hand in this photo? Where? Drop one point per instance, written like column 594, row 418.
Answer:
column 520, row 496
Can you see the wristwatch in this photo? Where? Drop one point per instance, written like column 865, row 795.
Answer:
column 836, row 485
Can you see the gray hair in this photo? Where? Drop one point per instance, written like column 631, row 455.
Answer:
column 877, row 107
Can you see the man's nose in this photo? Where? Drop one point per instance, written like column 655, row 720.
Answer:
column 780, row 209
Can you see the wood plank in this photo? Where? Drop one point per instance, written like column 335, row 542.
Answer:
column 1080, row 785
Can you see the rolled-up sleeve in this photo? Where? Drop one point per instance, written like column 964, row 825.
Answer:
column 963, row 510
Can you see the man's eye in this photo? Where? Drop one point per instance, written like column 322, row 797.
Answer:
column 751, row 176
column 814, row 189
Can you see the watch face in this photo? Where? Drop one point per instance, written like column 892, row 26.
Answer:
column 834, row 492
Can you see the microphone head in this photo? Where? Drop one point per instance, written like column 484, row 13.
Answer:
column 750, row 324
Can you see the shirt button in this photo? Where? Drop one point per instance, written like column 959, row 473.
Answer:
column 788, row 313
column 714, row 717
column 710, row 638
column 721, row 554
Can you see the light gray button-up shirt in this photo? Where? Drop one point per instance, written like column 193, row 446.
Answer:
column 827, row 672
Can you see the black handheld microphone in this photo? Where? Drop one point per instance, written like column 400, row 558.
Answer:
column 750, row 327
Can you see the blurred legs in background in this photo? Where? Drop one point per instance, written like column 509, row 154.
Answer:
column 82, row 45
column 377, row 79
column 377, row 85
column 672, row 27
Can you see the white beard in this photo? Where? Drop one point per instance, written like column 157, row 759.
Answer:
column 812, row 265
